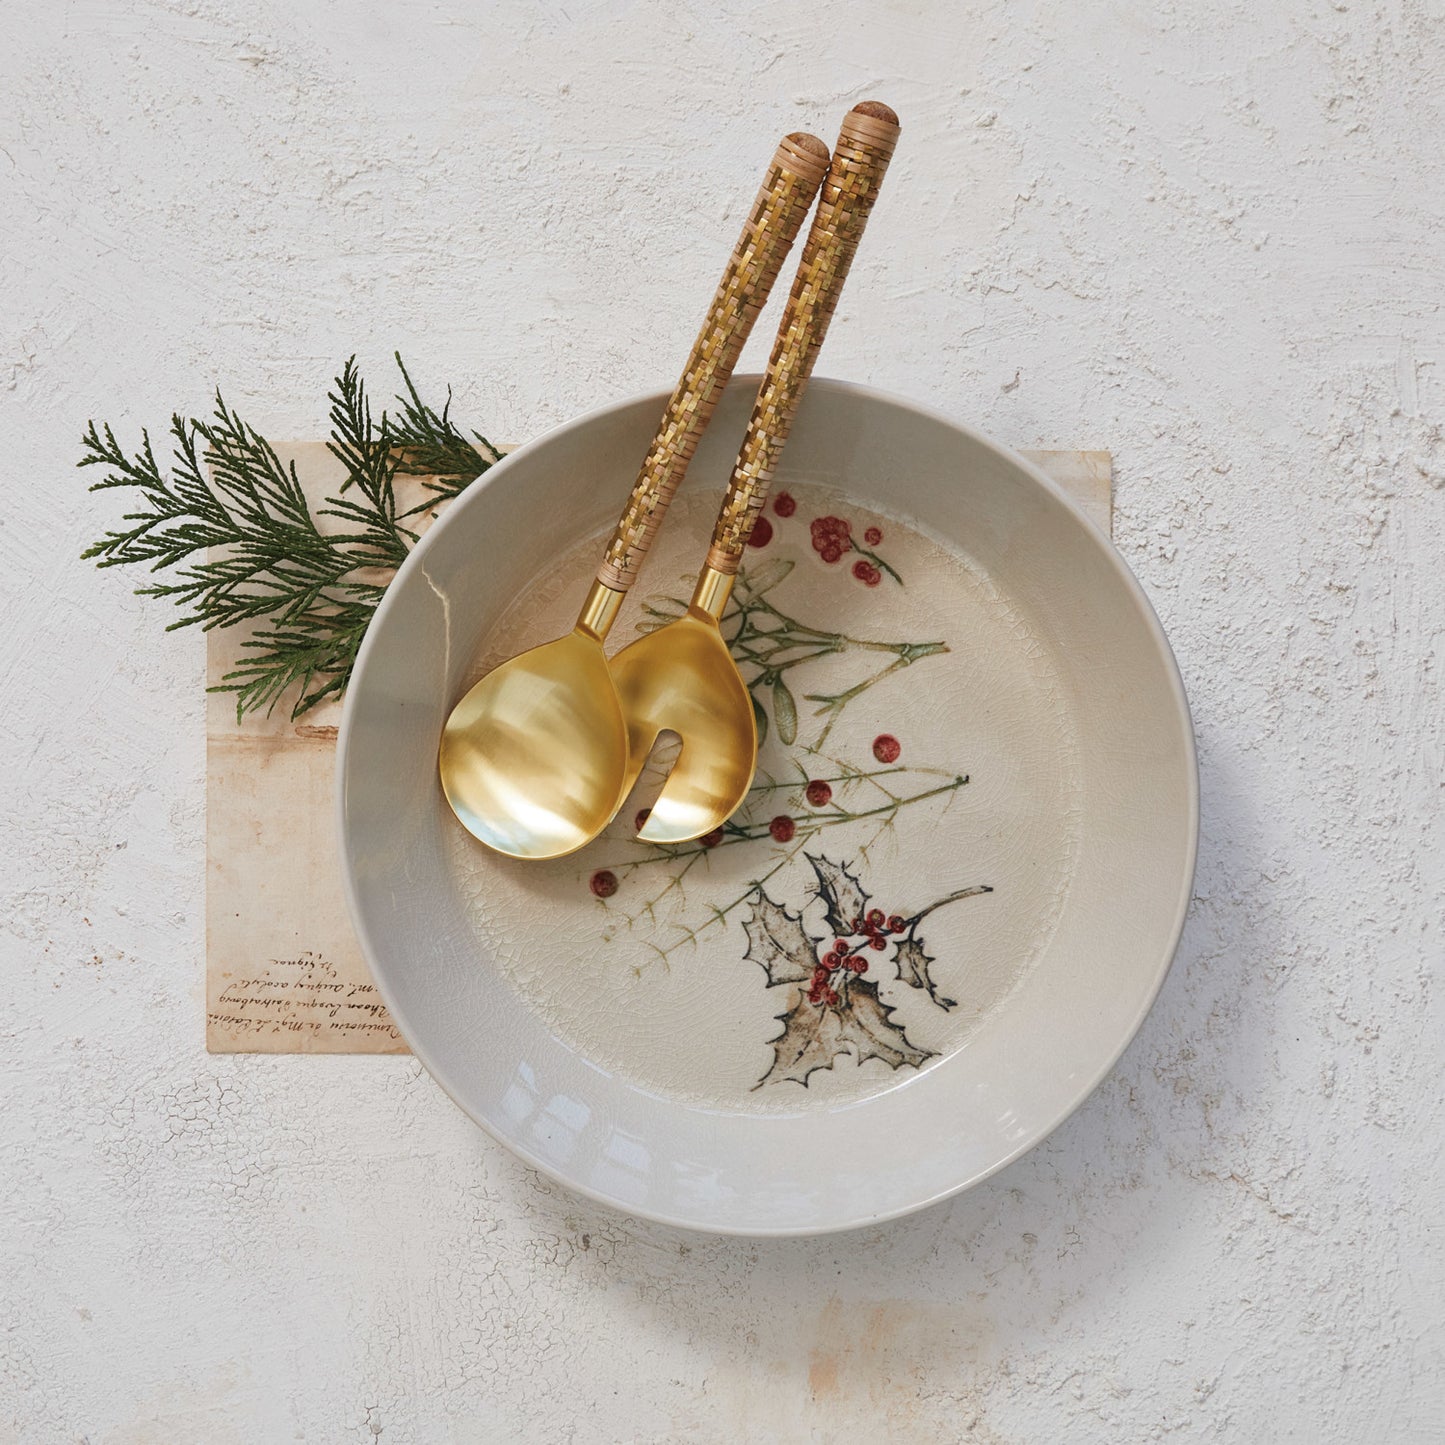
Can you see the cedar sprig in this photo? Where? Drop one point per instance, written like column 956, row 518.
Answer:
column 431, row 446
column 231, row 528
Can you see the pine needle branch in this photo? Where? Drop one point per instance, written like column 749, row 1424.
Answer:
column 231, row 528
column 432, row 447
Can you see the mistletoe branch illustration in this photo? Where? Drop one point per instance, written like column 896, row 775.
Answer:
column 767, row 642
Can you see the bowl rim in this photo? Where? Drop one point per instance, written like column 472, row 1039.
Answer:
column 415, row 561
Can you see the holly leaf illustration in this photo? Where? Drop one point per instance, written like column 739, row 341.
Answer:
column 913, row 970
column 778, row 943
column 815, row 1035
column 868, row 1027
column 841, row 892
column 812, row 1038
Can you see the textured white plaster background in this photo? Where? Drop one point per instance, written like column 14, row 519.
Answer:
column 1207, row 236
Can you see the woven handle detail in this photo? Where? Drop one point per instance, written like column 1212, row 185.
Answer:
column 792, row 180
column 865, row 145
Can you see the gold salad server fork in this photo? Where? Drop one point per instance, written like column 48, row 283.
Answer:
column 681, row 678
column 534, row 757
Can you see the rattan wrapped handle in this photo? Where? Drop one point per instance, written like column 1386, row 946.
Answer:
column 865, row 145
column 792, row 180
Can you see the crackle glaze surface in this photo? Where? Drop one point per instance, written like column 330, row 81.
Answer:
column 944, row 761
column 1204, row 237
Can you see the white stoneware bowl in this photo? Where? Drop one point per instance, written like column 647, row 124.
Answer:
column 1003, row 798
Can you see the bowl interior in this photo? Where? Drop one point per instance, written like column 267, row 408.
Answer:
column 1090, row 844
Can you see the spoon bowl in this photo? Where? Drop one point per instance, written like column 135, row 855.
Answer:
column 501, row 747
column 682, row 679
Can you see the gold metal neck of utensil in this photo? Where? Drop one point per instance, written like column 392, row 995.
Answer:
column 712, row 592
column 599, row 610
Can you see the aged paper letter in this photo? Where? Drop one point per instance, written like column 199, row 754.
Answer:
column 284, row 973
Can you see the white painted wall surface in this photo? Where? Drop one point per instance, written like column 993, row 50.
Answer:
column 1207, row 236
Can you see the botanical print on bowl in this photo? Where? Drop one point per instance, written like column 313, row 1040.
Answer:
column 865, row 909
column 832, row 1009
column 766, row 643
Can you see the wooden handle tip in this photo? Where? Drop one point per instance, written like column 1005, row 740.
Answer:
column 810, row 143
column 804, row 156
column 877, row 110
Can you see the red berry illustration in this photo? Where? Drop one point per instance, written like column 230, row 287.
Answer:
column 873, row 536
column 784, row 505
column 782, row 828
column 897, row 923
column 886, row 748
column 875, row 917
column 841, row 945
column 711, row 840
column 830, row 537
column 818, row 793
column 762, row 533
column 819, row 991
column 831, row 961
column 603, row 883
column 867, row 573
column 858, row 964
column 643, row 814
column 877, row 941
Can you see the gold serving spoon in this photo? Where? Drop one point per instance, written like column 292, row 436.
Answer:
column 533, row 758
column 681, row 678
